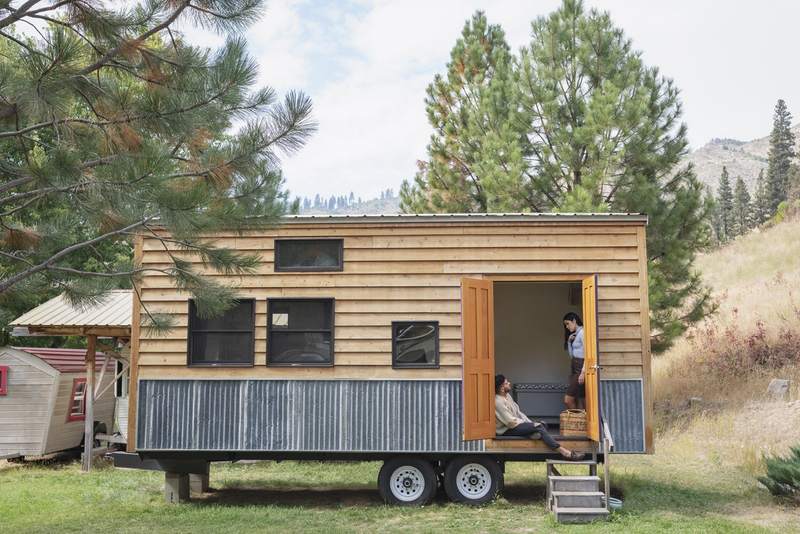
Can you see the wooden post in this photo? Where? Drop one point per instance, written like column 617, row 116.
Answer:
column 88, row 400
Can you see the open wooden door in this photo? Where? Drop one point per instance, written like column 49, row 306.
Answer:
column 477, row 338
column 592, row 380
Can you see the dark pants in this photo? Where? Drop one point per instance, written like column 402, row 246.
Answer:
column 528, row 429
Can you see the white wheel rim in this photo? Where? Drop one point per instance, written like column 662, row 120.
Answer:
column 474, row 481
column 407, row 483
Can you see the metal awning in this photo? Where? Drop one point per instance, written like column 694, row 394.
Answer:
column 111, row 317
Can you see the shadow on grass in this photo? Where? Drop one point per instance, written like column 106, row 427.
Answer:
column 331, row 497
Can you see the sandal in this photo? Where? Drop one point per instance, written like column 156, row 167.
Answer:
column 576, row 456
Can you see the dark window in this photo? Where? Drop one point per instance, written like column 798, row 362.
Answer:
column 77, row 401
column 227, row 339
column 308, row 255
column 415, row 344
column 3, row 380
column 300, row 332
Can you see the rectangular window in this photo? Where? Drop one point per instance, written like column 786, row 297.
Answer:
column 77, row 402
column 309, row 255
column 3, row 380
column 415, row 344
column 228, row 339
column 300, row 332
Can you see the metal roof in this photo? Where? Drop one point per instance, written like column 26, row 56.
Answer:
column 113, row 311
column 63, row 360
column 466, row 217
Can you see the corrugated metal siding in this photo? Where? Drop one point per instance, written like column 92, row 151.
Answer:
column 622, row 405
column 302, row 415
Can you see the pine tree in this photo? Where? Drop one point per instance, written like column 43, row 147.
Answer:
column 714, row 217
column 474, row 157
column 577, row 122
column 781, row 153
column 725, row 206
column 742, row 210
column 761, row 203
column 128, row 130
column 351, row 199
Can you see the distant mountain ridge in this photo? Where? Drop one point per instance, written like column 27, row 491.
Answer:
column 742, row 158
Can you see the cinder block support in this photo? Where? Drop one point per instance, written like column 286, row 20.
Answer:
column 176, row 487
column 198, row 482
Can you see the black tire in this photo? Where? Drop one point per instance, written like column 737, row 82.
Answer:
column 407, row 481
column 473, row 480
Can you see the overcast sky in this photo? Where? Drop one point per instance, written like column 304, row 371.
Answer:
column 366, row 66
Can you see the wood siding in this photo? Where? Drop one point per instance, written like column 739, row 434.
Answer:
column 409, row 271
column 24, row 410
column 63, row 434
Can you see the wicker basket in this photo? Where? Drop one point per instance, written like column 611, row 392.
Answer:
column 573, row 423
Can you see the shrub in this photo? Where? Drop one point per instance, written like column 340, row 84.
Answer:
column 783, row 475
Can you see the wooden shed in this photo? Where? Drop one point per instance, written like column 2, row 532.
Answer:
column 379, row 336
column 43, row 400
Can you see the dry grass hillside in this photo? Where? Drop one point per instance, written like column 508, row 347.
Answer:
column 711, row 387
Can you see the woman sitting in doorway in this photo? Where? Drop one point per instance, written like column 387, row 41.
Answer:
column 512, row 422
column 573, row 343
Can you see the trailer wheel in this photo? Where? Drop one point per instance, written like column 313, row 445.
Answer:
column 472, row 480
column 407, row 481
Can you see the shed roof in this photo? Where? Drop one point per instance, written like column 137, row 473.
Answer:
column 63, row 360
column 467, row 217
column 114, row 312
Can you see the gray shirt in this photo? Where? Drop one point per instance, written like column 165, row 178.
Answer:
column 575, row 346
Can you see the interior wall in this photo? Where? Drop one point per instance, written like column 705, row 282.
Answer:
column 529, row 335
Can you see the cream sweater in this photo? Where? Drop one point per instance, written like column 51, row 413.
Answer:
column 507, row 413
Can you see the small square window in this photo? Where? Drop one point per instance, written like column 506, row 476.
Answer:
column 228, row 339
column 415, row 344
column 300, row 332
column 77, row 402
column 309, row 255
column 3, row 380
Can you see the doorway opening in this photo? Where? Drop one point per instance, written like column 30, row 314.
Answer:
column 529, row 343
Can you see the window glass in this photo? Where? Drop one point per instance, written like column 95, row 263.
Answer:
column 77, row 404
column 308, row 255
column 225, row 340
column 415, row 344
column 300, row 332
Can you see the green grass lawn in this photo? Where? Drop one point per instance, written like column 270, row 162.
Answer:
column 342, row 497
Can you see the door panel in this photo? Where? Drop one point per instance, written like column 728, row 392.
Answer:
column 477, row 334
column 590, row 354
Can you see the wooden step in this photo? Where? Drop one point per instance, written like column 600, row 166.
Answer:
column 579, row 515
column 574, row 483
column 577, row 499
column 571, row 462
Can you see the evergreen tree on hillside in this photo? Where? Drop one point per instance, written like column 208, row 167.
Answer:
column 577, row 122
column 725, row 206
column 112, row 125
column 742, row 211
column 474, row 159
column 781, row 153
column 761, row 202
column 714, row 216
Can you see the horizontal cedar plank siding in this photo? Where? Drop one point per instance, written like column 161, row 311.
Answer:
column 406, row 272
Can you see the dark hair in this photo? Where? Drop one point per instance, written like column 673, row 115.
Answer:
column 498, row 381
column 571, row 316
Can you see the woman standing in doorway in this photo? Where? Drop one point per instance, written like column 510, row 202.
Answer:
column 573, row 343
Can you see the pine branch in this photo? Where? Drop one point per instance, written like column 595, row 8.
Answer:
column 17, row 14
column 8, row 283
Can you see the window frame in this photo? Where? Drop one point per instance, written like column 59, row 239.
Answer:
column 71, row 416
column 276, row 258
column 436, row 356
column 190, row 330
column 3, row 380
column 296, row 331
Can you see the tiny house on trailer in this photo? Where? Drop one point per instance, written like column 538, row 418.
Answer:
column 43, row 400
column 378, row 337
